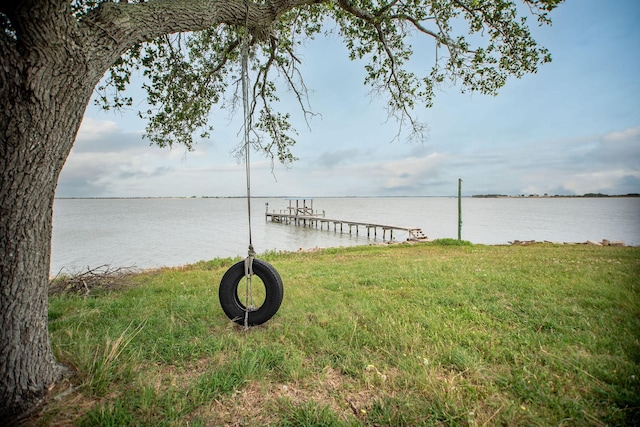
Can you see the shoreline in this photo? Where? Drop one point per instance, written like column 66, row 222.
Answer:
column 451, row 242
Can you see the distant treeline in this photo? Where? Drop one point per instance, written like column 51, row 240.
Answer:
column 487, row 196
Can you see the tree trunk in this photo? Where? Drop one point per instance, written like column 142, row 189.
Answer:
column 27, row 365
column 37, row 137
column 50, row 63
column 44, row 94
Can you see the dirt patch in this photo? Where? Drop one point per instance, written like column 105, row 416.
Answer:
column 262, row 404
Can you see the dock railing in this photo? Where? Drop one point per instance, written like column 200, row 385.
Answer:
column 303, row 214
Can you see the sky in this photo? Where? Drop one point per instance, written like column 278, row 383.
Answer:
column 572, row 128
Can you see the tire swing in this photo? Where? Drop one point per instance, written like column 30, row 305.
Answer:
column 254, row 304
column 245, row 308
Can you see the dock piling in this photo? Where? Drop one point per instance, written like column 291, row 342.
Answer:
column 303, row 215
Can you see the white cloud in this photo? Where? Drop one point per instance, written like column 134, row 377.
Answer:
column 412, row 172
column 128, row 167
column 92, row 129
column 608, row 182
column 632, row 134
column 621, row 148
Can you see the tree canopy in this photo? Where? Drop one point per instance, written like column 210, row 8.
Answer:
column 478, row 45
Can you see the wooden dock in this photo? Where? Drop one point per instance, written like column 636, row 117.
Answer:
column 303, row 215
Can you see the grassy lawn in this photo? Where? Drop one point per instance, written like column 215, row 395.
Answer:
column 401, row 335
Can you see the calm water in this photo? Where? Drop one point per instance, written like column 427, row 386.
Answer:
column 148, row 233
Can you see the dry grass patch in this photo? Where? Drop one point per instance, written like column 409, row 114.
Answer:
column 264, row 403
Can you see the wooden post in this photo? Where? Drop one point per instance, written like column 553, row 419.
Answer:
column 459, row 209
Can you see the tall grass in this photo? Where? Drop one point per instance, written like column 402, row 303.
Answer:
column 426, row 334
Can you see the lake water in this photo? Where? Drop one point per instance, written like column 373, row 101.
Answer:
column 148, row 233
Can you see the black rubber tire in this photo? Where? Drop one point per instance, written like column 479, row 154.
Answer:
column 231, row 303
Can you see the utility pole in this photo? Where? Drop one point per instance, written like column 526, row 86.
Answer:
column 459, row 209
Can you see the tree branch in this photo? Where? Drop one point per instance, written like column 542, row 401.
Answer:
column 139, row 22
